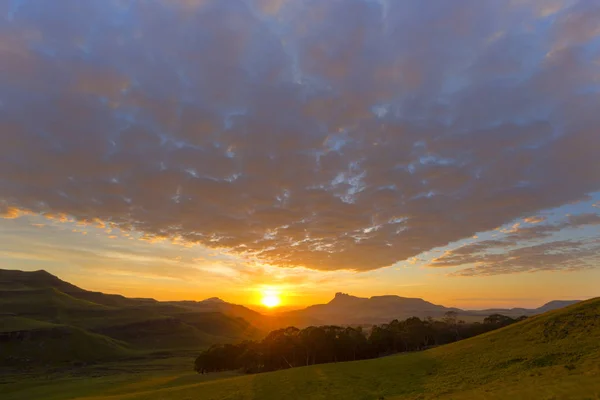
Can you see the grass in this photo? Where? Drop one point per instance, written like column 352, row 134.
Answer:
column 12, row 324
column 45, row 321
column 44, row 304
column 552, row 356
column 55, row 344
column 109, row 378
column 161, row 333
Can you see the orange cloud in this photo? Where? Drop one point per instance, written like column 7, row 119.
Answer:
column 13, row 212
column 60, row 217
column 535, row 219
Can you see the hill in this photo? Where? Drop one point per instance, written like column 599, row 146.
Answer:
column 217, row 305
column 32, row 343
column 265, row 323
column 551, row 356
column 15, row 280
column 44, row 320
column 19, row 280
column 345, row 309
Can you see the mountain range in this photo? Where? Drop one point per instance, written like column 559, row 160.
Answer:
column 345, row 309
column 46, row 319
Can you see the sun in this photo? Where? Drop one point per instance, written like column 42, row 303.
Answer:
column 270, row 299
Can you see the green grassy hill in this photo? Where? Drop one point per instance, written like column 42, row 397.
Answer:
column 19, row 280
column 46, row 321
column 15, row 324
column 160, row 333
column 44, row 344
column 552, row 356
column 48, row 304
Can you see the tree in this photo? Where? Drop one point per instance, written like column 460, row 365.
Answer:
column 498, row 319
column 451, row 319
column 291, row 347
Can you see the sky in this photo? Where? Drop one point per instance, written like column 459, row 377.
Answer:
column 186, row 149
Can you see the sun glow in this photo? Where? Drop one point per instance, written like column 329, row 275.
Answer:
column 270, row 299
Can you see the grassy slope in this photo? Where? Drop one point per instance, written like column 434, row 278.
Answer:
column 52, row 344
column 140, row 328
column 46, row 304
column 552, row 356
column 110, row 378
column 161, row 333
column 30, row 301
column 12, row 324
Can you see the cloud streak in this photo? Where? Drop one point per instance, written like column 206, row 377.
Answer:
column 552, row 256
column 516, row 253
column 328, row 135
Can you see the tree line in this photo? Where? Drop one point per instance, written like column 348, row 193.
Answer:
column 292, row 347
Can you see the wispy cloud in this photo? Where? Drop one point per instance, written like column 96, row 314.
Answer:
column 517, row 250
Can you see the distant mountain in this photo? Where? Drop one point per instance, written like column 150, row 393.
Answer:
column 213, row 300
column 265, row 322
column 517, row 312
column 345, row 309
column 555, row 305
column 214, row 304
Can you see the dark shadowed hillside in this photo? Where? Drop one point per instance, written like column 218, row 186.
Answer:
column 30, row 343
column 46, row 320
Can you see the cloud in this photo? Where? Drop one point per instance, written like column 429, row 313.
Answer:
column 518, row 255
column 584, row 219
column 11, row 212
column 326, row 135
column 535, row 219
column 553, row 256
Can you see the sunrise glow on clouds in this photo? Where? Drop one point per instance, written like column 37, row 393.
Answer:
column 168, row 148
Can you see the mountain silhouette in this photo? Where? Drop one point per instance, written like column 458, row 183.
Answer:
column 345, row 309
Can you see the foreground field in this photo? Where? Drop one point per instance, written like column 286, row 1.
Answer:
column 552, row 356
column 112, row 378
